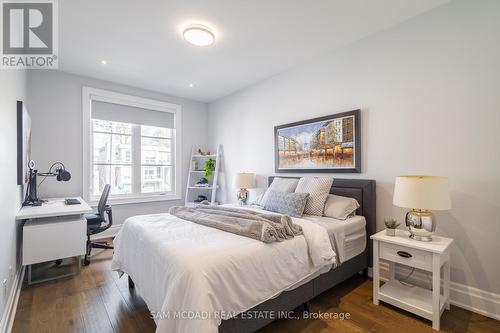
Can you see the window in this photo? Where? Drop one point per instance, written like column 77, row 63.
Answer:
column 130, row 143
column 156, row 159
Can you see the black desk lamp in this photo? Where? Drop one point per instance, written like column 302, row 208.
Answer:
column 56, row 170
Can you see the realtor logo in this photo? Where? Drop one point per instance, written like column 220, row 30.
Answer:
column 29, row 34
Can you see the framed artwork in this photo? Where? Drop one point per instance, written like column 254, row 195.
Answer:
column 325, row 144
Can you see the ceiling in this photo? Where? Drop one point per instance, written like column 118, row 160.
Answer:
column 141, row 40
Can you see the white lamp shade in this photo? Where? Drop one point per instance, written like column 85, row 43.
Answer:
column 244, row 180
column 422, row 192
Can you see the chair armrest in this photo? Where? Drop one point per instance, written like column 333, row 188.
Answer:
column 109, row 211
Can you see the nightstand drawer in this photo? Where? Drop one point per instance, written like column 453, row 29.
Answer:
column 406, row 256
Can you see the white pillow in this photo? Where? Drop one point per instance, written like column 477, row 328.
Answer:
column 318, row 189
column 258, row 200
column 283, row 185
column 286, row 185
column 340, row 207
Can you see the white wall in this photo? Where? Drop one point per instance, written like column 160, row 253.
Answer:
column 429, row 94
column 12, row 88
column 55, row 100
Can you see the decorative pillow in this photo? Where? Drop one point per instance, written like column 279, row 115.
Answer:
column 286, row 185
column 318, row 189
column 258, row 200
column 286, row 203
column 340, row 207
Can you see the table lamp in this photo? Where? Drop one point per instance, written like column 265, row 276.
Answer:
column 422, row 194
column 243, row 181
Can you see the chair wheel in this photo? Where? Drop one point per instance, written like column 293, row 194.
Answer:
column 86, row 262
column 58, row 262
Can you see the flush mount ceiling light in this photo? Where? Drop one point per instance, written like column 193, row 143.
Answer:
column 198, row 35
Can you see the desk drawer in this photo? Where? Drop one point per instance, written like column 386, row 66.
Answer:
column 53, row 238
column 406, row 256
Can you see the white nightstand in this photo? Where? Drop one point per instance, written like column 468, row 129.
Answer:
column 428, row 256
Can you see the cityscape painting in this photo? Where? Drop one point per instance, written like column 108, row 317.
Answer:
column 325, row 144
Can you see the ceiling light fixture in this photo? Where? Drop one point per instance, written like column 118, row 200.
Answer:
column 191, row 85
column 198, row 35
column 104, row 62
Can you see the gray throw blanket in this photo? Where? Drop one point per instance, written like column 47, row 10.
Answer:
column 261, row 226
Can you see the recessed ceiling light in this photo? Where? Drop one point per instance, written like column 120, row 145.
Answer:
column 104, row 62
column 198, row 35
column 191, row 85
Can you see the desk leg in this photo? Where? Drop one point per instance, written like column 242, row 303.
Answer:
column 436, row 290
column 79, row 263
column 30, row 280
column 376, row 273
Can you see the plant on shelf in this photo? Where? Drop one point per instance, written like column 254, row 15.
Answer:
column 209, row 168
column 390, row 226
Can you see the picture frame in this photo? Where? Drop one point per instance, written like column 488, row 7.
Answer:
column 329, row 144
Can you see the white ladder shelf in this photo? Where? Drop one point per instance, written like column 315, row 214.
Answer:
column 194, row 176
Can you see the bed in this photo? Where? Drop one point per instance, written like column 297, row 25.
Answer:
column 196, row 278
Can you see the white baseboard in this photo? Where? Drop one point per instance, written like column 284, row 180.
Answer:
column 10, row 308
column 475, row 300
column 469, row 298
column 111, row 232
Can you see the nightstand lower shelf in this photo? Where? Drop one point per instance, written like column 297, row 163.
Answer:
column 413, row 299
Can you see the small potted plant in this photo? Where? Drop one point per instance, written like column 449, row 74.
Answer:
column 209, row 168
column 390, row 226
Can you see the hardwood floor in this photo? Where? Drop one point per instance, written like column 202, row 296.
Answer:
column 98, row 301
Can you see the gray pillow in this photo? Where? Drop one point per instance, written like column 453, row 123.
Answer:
column 291, row 204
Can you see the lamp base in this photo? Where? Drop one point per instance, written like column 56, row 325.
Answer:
column 420, row 224
column 243, row 196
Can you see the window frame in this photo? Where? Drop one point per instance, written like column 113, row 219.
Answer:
column 93, row 94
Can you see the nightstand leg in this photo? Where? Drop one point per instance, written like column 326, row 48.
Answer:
column 376, row 272
column 436, row 291
column 446, row 287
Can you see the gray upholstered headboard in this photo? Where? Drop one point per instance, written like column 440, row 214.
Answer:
column 362, row 190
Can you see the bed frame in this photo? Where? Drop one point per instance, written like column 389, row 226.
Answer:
column 362, row 190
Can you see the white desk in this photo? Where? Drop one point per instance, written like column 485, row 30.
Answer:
column 53, row 207
column 53, row 231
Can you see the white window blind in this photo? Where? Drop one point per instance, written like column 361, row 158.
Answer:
column 132, row 115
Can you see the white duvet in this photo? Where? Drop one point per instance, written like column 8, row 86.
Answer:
column 192, row 276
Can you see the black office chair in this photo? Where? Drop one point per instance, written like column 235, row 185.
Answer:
column 97, row 223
